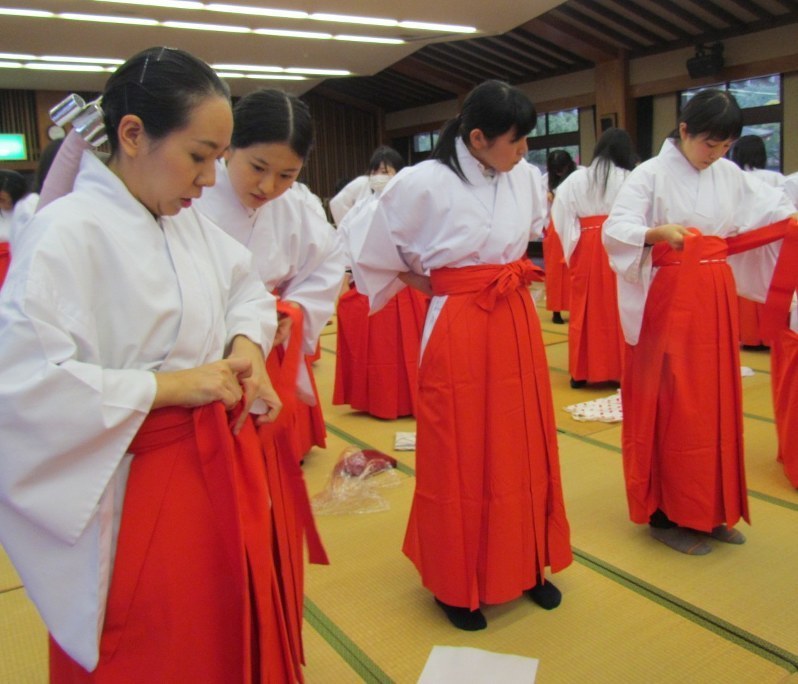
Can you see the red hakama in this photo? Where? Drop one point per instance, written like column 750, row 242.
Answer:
column 376, row 365
column 488, row 512
column 292, row 516
column 682, row 395
column 751, row 334
column 193, row 594
column 595, row 339
column 784, row 371
column 558, row 284
column 5, row 260
column 304, row 424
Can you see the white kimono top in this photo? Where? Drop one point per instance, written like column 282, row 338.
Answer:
column 348, row 196
column 791, row 187
column 23, row 213
column 428, row 218
column 105, row 296
column 720, row 200
column 296, row 252
column 580, row 195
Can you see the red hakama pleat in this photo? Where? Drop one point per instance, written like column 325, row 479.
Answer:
column 784, row 372
column 488, row 513
column 376, row 364
column 558, row 284
column 5, row 261
column 291, row 513
column 595, row 339
column 304, row 424
column 193, row 594
column 682, row 395
column 750, row 329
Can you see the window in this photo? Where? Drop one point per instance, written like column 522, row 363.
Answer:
column 554, row 131
column 424, row 142
column 763, row 112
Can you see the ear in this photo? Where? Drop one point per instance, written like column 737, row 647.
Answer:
column 131, row 135
column 228, row 154
column 477, row 139
column 683, row 130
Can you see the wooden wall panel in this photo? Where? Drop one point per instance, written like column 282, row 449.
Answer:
column 18, row 115
column 345, row 139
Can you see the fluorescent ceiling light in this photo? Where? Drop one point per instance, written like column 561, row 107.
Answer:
column 447, row 28
column 79, row 60
column 348, row 19
column 276, row 77
column 14, row 12
column 170, row 4
column 103, row 19
column 293, row 34
column 247, row 67
column 43, row 66
column 10, row 65
column 12, row 55
column 256, row 11
column 205, row 27
column 366, row 39
column 318, row 72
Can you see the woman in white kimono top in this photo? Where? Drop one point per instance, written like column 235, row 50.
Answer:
column 488, row 514
column 297, row 253
column 129, row 307
column 582, row 202
column 682, row 430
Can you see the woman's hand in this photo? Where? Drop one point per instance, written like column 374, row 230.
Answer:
column 419, row 282
column 672, row 233
column 256, row 383
column 217, row 381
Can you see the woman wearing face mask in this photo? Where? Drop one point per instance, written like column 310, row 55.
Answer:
column 682, row 428
column 134, row 329
column 298, row 256
column 488, row 515
column 376, row 363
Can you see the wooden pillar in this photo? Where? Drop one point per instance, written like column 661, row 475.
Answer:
column 613, row 104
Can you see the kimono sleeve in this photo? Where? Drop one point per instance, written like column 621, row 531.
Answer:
column 317, row 276
column 564, row 216
column 66, row 421
column 251, row 309
column 380, row 262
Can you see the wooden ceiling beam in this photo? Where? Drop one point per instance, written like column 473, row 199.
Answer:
column 561, row 33
column 435, row 76
column 654, row 19
column 624, row 41
column 754, row 8
column 718, row 12
column 620, row 20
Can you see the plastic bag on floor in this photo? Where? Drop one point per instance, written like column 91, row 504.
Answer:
column 355, row 482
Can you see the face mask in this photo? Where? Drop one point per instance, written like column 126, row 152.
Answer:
column 378, row 181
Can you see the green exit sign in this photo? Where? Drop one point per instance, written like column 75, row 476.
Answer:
column 13, row 147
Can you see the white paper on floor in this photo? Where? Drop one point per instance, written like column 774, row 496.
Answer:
column 604, row 410
column 447, row 664
column 405, row 441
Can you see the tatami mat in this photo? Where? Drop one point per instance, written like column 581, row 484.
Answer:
column 633, row 610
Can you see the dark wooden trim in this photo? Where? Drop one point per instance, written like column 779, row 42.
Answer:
column 776, row 65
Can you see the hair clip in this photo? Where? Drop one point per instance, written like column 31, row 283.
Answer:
column 87, row 119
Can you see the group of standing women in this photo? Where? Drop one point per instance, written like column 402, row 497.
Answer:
column 159, row 529
column 158, row 533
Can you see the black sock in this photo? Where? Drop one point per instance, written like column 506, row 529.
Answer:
column 661, row 521
column 463, row 618
column 556, row 317
column 546, row 595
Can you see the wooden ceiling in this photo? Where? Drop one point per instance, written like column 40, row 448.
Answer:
column 573, row 36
